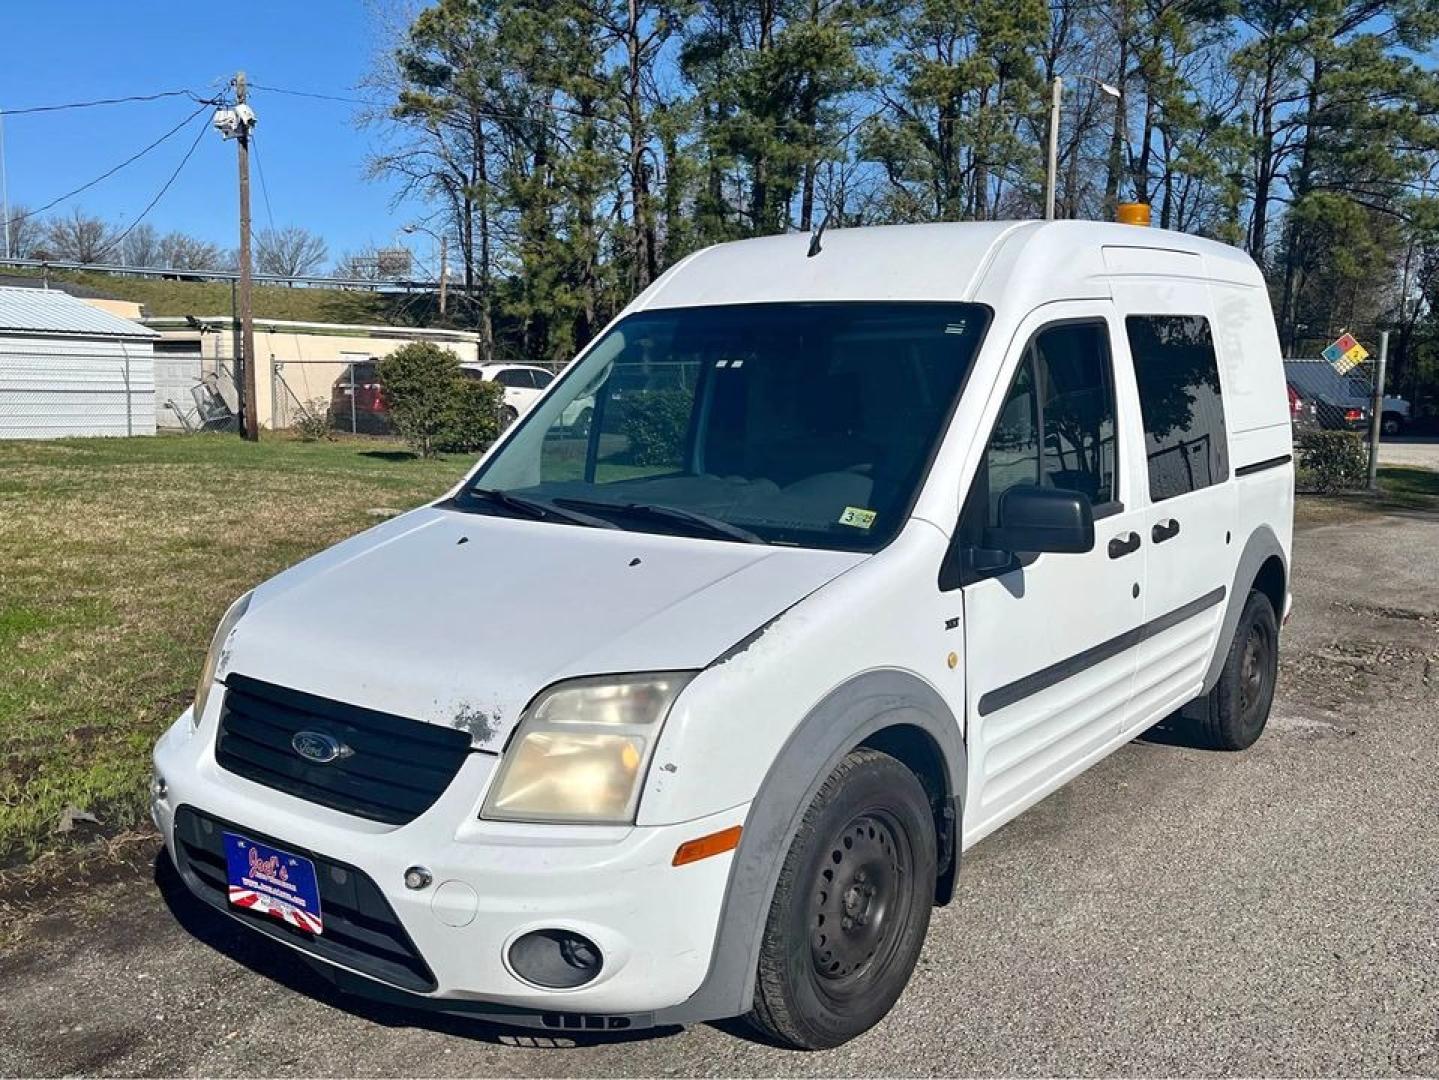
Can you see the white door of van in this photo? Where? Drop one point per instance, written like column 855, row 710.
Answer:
column 1189, row 521
column 1049, row 643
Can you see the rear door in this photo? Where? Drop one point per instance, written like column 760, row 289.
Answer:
column 1188, row 496
column 519, row 386
column 1049, row 643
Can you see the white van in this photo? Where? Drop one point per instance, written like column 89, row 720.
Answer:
column 690, row 714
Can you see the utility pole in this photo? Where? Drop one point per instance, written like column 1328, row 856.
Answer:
column 1376, row 418
column 444, row 250
column 249, row 410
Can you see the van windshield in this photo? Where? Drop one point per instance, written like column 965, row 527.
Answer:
column 787, row 423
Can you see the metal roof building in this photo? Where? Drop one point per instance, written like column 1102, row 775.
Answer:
column 67, row 368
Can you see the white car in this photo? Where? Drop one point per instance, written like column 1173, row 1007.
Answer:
column 864, row 554
column 523, row 384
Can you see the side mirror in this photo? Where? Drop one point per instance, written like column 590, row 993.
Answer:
column 1038, row 519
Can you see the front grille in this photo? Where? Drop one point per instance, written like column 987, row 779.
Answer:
column 397, row 769
column 360, row 931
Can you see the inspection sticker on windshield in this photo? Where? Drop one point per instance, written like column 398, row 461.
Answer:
column 857, row 516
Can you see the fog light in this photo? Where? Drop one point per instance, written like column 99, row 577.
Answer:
column 556, row 959
column 417, row 877
column 158, row 788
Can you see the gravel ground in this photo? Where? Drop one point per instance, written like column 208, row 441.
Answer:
column 1170, row 912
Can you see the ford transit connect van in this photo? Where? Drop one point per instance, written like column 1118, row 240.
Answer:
column 689, row 713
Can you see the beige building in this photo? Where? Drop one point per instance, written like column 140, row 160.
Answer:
column 300, row 362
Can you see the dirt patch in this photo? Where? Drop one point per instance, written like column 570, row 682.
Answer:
column 62, row 881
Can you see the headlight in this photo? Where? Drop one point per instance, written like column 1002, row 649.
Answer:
column 582, row 750
column 212, row 655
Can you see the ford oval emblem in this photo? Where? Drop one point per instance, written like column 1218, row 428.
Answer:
column 318, row 747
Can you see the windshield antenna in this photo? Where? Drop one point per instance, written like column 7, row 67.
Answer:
column 815, row 238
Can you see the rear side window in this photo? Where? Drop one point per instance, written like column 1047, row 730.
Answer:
column 1180, row 400
column 515, row 377
column 1056, row 427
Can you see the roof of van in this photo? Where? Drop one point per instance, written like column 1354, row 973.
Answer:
column 960, row 261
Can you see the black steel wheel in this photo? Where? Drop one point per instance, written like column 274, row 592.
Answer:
column 851, row 907
column 1238, row 706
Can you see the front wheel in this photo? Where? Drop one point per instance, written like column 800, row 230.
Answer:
column 1391, row 424
column 851, row 907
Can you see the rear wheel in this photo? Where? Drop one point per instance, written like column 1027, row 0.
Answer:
column 851, row 907
column 508, row 416
column 1238, row 706
column 1391, row 424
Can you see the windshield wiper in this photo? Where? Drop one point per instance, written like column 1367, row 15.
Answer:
column 704, row 523
column 537, row 508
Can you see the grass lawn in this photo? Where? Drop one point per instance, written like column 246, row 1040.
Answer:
column 117, row 557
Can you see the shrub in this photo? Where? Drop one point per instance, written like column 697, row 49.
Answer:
column 474, row 420
column 421, row 384
column 656, row 422
column 1332, row 460
column 313, row 424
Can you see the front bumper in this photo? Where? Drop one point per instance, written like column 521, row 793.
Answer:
column 492, row 882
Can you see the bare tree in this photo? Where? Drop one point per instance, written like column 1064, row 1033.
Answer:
column 79, row 237
column 179, row 251
column 289, row 252
column 25, row 232
column 141, row 247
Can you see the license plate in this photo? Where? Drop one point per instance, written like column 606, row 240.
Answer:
column 272, row 882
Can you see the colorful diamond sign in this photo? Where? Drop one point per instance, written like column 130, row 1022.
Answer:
column 1345, row 353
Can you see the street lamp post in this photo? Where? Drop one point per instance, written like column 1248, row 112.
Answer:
column 1056, row 102
column 4, row 190
column 415, row 227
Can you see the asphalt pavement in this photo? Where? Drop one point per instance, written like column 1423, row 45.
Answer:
column 1411, row 450
column 1172, row 911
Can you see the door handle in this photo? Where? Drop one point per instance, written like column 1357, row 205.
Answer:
column 1124, row 545
column 1164, row 530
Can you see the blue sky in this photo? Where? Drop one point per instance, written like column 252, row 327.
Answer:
column 311, row 152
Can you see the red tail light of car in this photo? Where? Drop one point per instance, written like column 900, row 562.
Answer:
column 1353, row 414
column 370, row 397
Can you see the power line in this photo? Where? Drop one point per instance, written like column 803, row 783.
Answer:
column 264, row 189
column 311, row 94
column 159, row 194
column 485, row 114
column 113, row 170
column 103, row 101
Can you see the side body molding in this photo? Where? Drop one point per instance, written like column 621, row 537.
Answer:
column 1261, row 545
column 867, row 703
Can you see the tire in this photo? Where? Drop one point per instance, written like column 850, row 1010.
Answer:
column 1391, row 424
column 581, row 427
column 851, row 906
column 508, row 416
column 1238, row 706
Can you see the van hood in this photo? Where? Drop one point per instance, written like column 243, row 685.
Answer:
column 460, row 619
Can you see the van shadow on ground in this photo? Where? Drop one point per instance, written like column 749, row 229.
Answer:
column 274, row 961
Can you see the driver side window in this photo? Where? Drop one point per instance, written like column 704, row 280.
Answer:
column 1056, row 428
